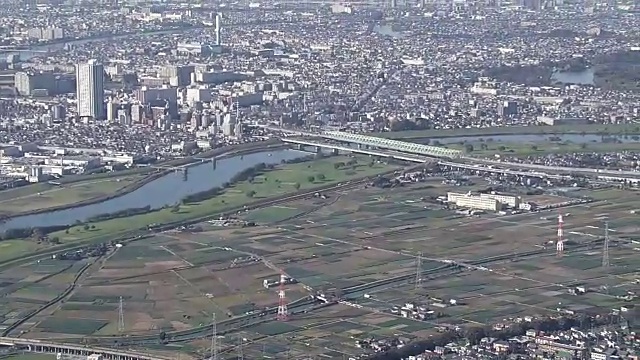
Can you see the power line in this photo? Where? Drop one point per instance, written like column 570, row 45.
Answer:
column 240, row 349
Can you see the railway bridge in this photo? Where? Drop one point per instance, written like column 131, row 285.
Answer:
column 43, row 346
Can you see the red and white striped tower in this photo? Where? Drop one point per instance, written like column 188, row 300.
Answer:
column 283, row 313
column 560, row 242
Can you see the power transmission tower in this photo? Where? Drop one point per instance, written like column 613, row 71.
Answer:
column 418, row 271
column 605, row 249
column 240, row 350
column 214, row 338
column 121, row 316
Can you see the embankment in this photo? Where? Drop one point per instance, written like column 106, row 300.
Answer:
column 142, row 233
column 219, row 153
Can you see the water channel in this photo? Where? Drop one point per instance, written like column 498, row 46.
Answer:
column 167, row 190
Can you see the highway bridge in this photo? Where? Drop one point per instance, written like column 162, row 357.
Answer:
column 372, row 142
column 417, row 159
column 42, row 346
column 360, row 150
column 402, row 150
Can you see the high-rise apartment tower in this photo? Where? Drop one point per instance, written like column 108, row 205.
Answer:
column 90, row 90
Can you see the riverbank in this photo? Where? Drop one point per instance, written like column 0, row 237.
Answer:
column 594, row 129
column 282, row 180
column 221, row 153
column 234, row 199
column 123, row 191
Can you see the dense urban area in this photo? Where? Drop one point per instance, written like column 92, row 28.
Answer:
column 382, row 179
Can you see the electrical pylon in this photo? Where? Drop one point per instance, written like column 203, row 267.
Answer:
column 283, row 312
column 605, row 249
column 560, row 241
column 241, row 350
column 214, row 338
column 418, row 280
column 121, row 316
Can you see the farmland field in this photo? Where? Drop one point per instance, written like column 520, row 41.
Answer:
column 348, row 243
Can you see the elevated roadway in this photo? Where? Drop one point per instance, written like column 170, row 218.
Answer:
column 417, row 159
column 42, row 346
column 402, row 150
column 377, row 143
column 558, row 169
column 366, row 151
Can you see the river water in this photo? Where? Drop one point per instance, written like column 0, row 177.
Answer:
column 41, row 50
column 585, row 77
column 167, row 190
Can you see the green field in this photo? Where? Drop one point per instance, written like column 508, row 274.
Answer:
column 72, row 326
column 542, row 148
column 11, row 248
column 515, row 130
column 283, row 180
column 43, row 196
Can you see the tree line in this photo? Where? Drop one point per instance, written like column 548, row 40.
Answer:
column 244, row 175
column 120, row 214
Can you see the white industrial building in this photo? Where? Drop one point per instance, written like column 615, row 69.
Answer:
column 490, row 202
column 509, row 200
column 473, row 201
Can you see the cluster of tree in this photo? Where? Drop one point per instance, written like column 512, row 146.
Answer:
column 341, row 165
column 476, row 333
column 250, row 173
column 244, row 175
column 618, row 71
column 531, row 75
column 37, row 232
column 120, row 214
column 299, row 160
column 202, row 195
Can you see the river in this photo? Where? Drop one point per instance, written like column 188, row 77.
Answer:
column 585, row 77
column 40, row 50
column 167, row 190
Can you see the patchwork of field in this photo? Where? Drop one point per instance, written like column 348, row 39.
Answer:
column 354, row 243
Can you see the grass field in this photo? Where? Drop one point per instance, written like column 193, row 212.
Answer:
column 513, row 130
column 11, row 248
column 43, row 196
column 175, row 280
column 284, row 179
column 543, row 148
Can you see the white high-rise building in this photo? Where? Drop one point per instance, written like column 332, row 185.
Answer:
column 90, row 89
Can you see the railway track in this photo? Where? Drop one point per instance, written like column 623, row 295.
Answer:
column 145, row 339
column 7, row 331
column 309, row 304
